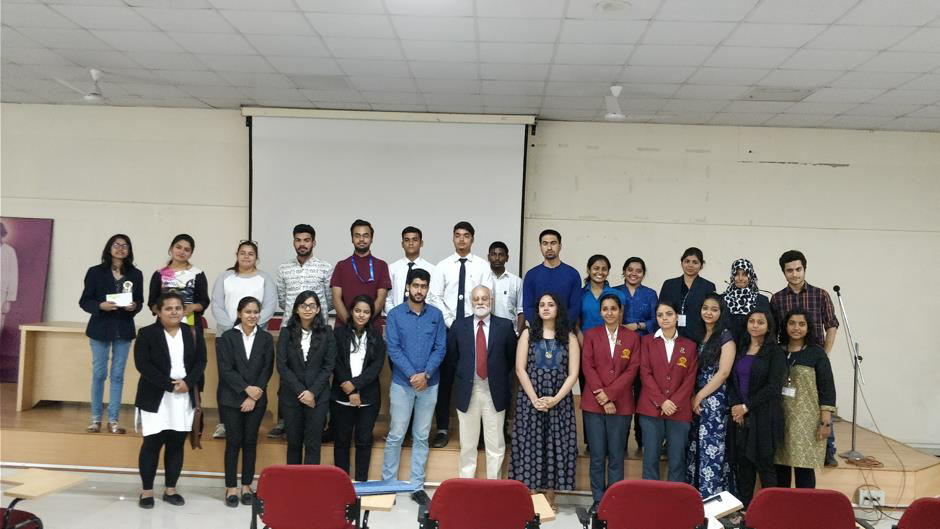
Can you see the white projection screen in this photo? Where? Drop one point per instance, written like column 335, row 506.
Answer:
column 329, row 172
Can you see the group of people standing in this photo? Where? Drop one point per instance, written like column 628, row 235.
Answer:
column 706, row 375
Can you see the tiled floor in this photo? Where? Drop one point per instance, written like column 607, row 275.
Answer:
column 110, row 500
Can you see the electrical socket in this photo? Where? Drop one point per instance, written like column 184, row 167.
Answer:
column 871, row 497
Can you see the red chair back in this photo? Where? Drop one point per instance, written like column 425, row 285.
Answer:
column 475, row 503
column 305, row 496
column 274, row 324
column 776, row 508
column 924, row 513
column 639, row 504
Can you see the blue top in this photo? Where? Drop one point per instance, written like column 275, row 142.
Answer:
column 563, row 281
column 591, row 306
column 543, row 360
column 640, row 307
column 416, row 342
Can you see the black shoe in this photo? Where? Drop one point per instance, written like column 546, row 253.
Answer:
column 440, row 440
column 145, row 503
column 231, row 500
column 173, row 499
column 277, row 431
column 326, row 436
column 593, row 509
column 248, row 498
column 831, row 461
column 421, row 498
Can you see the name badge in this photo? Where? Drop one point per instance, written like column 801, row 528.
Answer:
column 789, row 391
column 682, row 320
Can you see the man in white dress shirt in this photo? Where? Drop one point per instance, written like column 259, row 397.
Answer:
column 411, row 243
column 507, row 287
column 453, row 279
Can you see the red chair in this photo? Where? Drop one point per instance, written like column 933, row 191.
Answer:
column 461, row 503
column 642, row 504
column 297, row 496
column 776, row 508
column 274, row 324
column 924, row 513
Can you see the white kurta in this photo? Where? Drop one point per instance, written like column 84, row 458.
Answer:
column 176, row 411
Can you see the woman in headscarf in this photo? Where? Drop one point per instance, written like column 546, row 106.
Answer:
column 743, row 297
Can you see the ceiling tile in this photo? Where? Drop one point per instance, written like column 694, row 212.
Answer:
column 855, row 122
column 656, row 74
column 387, row 84
column 900, row 61
column 650, row 55
column 527, row 88
column 749, row 107
column 800, row 11
column 338, row 96
column 512, row 111
column 518, row 30
column 927, row 112
column 644, row 90
column 399, row 107
column 153, row 41
column 578, row 89
column 527, row 9
column 797, row 120
column 593, row 10
column 363, row 48
column 629, row 105
column 686, row 118
column 212, row 92
column 511, row 100
column 747, row 57
column 859, row 38
column 343, row 106
column 257, row 80
column 10, row 38
column 799, row 78
column 342, row 6
column 277, row 96
column 519, row 52
column 77, row 39
column 693, row 105
column 804, row 107
column 914, row 124
column 873, row 80
column 32, row 16
column 907, row 97
column 445, row 70
column 687, row 33
column 412, row 98
column 514, row 72
column 424, row 50
column 213, row 43
column 826, row 59
column 713, row 10
column 449, row 86
column 576, row 73
column 886, row 13
column 305, row 65
column 557, row 114
column 592, row 54
column 869, row 109
column 924, row 39
column 188, row 20
column 248, row 5
column 98, row 59
column 237, row 63
column 843, row 95
column 924, row 82
column 288, row 45
column 453, row 100
column 93, row 17
column 166, row 61
column 773, row 35
column 710, row 92
column 464, row 109
column 584, row 103
column 452, row 8
column 341, row 25
column 602, row 31
column 434, row 28
column 728, row 76
column 271, row 23
column 187, row 78
column 374, row 68
column 742, row 120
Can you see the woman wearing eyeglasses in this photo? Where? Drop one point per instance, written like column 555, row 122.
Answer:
column 242, row 280
column 111, row 326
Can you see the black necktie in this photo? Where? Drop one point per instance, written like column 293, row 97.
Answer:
column 407, row 277
column 461, row 284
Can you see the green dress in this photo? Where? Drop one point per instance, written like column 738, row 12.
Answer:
column 810, row 375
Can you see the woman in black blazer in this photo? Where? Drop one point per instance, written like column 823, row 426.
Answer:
column 356, row 394
column 757, row 379
column 687, row 292
column 306, row 355
column 246, row 361
column 111, row 327
column 170, row 360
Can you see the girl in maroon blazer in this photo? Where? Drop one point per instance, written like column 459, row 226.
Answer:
column 610, row 362
column 667, row 369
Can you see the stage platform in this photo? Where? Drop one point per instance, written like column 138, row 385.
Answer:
column 53, row 433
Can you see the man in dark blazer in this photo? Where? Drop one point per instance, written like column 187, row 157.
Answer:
column 486, row 350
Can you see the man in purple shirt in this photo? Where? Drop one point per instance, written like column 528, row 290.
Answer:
column 360, row 273
column 551, row 276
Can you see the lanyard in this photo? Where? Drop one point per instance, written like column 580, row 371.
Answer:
column 371, row 270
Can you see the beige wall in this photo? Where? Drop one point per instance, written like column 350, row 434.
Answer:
column 863, row 206
column 609, row 188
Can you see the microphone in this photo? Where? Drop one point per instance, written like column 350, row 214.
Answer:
column 836, row 288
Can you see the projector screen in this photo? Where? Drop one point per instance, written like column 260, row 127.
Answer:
column 329, row 172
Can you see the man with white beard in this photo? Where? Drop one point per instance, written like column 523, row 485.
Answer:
column 486, row 349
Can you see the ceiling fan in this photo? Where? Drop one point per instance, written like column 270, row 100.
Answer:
column 93, row 96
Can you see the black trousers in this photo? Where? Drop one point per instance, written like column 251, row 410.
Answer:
column 747, row 473
column 805, row 478
column 241, row 435
column 172, row 457
column 351, row 423
column 445, row 390
column 304, row 432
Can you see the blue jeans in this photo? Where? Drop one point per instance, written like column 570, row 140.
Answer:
column 676, row 434
column 607, row 436
column 100, row 351
column 402, row 402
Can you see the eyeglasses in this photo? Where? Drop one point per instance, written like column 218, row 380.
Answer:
column 308, row 306
column 120, row 246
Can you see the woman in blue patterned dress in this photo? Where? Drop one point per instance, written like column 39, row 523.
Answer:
column 544, row 448
column 708, row 467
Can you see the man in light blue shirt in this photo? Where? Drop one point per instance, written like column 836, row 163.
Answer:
column 416, row 338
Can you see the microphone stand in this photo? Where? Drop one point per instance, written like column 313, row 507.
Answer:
column 852, row 454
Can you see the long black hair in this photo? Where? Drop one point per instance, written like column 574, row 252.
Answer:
column 182, row 237
column 106, row 253
column 770, row 339
column 562, row 327
column 242, row 303
column 810, row 337
column 368, row 329
column 317, row 327
column 711, row 349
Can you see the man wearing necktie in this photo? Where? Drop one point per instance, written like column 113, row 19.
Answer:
column 411, row 243
column 485, row 346
column 451, row 283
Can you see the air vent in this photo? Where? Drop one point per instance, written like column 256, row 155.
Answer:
column 787, row 95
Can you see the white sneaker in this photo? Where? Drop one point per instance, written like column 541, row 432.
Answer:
column 219, row 432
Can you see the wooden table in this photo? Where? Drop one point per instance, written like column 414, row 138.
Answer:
column 35, row 483
column 543, row 508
